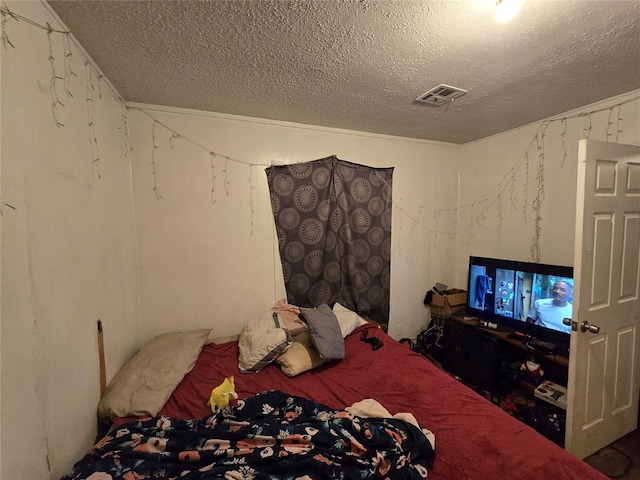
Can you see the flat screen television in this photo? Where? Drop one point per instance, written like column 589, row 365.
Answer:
column 532, row 298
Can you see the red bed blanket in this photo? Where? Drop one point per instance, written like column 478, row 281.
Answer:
column 475, row 438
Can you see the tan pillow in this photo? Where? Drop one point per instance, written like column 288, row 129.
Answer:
column 145, row 383
column 300, row 357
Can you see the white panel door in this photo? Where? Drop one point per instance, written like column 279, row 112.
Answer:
column 603, row 390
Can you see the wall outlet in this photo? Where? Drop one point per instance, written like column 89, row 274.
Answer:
column 399, row 330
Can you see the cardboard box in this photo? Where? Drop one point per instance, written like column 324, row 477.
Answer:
column 454, row 301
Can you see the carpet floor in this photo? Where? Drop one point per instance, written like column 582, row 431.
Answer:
column 621, row 459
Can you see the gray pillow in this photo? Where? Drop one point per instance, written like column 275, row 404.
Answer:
column 324, row 331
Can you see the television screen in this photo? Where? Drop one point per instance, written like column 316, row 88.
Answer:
column 529, row 297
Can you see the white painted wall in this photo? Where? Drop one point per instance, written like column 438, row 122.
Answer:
column 217, row 264
column 502, row 225
column 68, row 253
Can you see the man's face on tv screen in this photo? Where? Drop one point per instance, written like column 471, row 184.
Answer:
column 561, row 292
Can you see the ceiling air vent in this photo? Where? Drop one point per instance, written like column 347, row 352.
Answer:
column 440, row 95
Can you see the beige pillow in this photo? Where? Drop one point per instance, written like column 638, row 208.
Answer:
column 300, row 357
column 146, row 382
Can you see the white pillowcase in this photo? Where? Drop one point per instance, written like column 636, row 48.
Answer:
column 261, row 341
column 347, row 319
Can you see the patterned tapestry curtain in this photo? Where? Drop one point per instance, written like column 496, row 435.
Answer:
column 333, row 220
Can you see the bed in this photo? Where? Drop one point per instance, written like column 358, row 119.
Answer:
column 383, row 411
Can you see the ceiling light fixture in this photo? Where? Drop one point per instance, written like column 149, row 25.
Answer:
column 506, row 10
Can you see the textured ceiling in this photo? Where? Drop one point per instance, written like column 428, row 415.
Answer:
column 360, row 64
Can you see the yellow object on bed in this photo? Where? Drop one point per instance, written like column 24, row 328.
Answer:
column 222, row 394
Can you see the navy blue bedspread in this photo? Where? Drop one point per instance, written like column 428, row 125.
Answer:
column 271, row 435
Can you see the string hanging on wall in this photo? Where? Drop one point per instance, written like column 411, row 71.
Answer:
column 68, row 72
column 563, row 139
column 480, row 206
column 586, row 131
column 504, row 190
column 124, row 131
column 398, row 230
column 618, row 120
column 615, row 126
column 213, row 177
column 154, row 170
column 525, row 187
column 68, row 46
column 53, row 92
column 539, row 198
column 94, row 148
column 226, row 175
column 251, row 206
column 499, row 216
column 6, row 42
column 6, row 16
column 212, row 155
column 55, row 101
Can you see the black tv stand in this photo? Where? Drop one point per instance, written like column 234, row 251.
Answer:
column 485, row 358
column 514, row 344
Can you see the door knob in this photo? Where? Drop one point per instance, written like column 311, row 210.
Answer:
column 584, row 327
column 572, row 324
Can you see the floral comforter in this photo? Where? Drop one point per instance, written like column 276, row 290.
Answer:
column 271, row 435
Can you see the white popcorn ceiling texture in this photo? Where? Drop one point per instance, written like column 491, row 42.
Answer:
column 360, row 65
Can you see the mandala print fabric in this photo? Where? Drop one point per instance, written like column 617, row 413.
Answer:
column 333, row 220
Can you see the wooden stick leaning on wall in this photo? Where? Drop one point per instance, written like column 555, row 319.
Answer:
column 103, row 371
